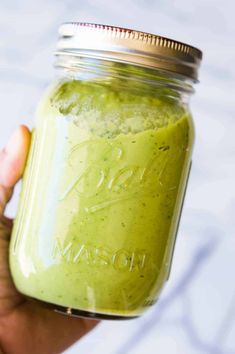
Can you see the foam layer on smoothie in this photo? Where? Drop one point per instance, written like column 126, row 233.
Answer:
column 109, row 111
column 98, row 223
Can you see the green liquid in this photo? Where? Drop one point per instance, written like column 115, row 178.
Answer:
column 101, row 198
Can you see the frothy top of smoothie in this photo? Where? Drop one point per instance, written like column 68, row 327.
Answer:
column 108, row 111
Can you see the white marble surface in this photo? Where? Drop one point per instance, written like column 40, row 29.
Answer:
column 196, row 313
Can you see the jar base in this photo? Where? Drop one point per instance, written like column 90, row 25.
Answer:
column 92, row 315
column 81, row 313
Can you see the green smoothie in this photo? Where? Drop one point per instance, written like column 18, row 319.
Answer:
column 101, row 197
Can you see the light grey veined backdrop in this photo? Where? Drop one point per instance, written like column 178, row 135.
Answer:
column 196, row 313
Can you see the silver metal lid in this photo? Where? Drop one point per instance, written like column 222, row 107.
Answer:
column 129, row 46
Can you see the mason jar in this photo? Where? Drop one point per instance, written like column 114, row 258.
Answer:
column 106, row 173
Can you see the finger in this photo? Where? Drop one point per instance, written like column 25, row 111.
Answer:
column 12, row 163
column 13, row 157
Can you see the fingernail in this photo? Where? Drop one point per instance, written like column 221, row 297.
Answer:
column 12, row 144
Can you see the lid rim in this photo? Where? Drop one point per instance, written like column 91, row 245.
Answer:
column 169, row 70
column 129, row 44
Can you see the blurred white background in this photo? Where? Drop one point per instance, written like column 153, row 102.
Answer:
column 196, row 313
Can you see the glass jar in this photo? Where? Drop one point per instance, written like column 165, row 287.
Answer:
column 106, row 173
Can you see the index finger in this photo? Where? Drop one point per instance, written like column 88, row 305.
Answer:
column 12, row 163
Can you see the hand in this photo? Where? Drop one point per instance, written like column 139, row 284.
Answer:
column 25, row 326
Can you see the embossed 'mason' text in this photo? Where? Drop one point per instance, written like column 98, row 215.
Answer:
column 121, row 259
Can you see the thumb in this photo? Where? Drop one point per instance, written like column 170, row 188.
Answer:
column 12, row 163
